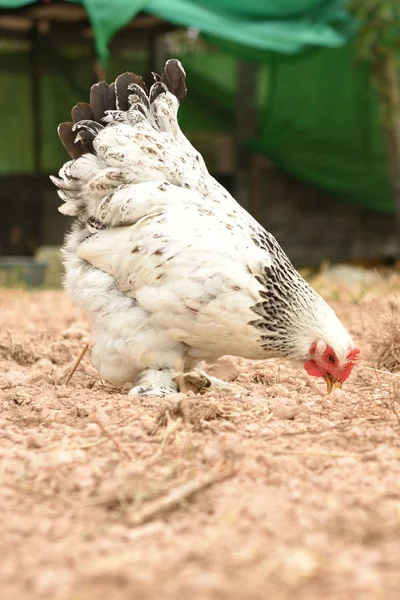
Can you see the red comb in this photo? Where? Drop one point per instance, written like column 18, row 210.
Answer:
column 354, row 355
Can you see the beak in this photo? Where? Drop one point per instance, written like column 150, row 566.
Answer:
column 332, row 383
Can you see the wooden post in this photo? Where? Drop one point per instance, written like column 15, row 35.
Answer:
column 258, row 166
column 246, row 79
column 385, row 71
column 34, row 56
column 157, row 54
column 99, row 72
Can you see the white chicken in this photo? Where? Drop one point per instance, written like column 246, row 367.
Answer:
column 170, row 269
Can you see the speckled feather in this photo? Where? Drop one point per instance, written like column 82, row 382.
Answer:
column 168, row 266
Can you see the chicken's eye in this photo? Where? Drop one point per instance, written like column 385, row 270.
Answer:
column 331, row 358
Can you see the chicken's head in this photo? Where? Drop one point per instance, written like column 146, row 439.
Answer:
column 324, row 362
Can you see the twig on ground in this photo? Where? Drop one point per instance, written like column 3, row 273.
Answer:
column 76, row 364
column 175, row 497
column 326, row 453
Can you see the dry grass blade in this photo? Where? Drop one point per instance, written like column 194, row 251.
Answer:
column 314, row 386
column 178, row 410
column 175, row 498
column 193, row 412
column 86, row 446
column 17, row 352
column 32, row 491
column 326, row 453
column 380, row 371
column 114, row 562
column 76, row 364
column 98, row 420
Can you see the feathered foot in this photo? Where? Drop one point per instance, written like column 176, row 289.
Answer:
column 194, row 381
column 160, row 391
column 155, row 382
column 162, row 382
column 200, row 382
column 223, row 386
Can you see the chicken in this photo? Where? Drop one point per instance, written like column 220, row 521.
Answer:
column 170, row 269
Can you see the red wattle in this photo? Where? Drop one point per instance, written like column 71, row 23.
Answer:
column 312, row 369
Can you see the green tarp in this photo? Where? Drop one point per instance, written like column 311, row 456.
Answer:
column 278, row 25
column 321, row 124
column 317, row 111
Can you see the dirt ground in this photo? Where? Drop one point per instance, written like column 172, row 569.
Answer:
column 278, row 491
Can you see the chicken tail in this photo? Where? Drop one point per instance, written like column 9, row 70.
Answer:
column 103, row 132
column 173, row 78
column 128, row 92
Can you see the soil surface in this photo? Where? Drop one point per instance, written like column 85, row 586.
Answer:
column 277, row 491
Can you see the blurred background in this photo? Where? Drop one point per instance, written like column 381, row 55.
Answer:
column 294, row 104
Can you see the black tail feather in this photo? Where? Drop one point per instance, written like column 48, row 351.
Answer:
column 174, row 78
column 82, row 111
column 122, row 90
column 142, row 94
column 67, row 137
column 77, row 136
column 99, row 100
column 85, row 133
column 157, row 89
column 92, row 126
column 84, row 140
column 111, row 99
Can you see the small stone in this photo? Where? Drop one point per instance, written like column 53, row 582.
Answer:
column 81, row 410
column 19, row 397
column 45, row 365
column 34, row 440
column 252, row 428
column 225, row 369
column 338, row 394
column 69, row 456
column 298, row 565
column 62, row 392
column 286, row 413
